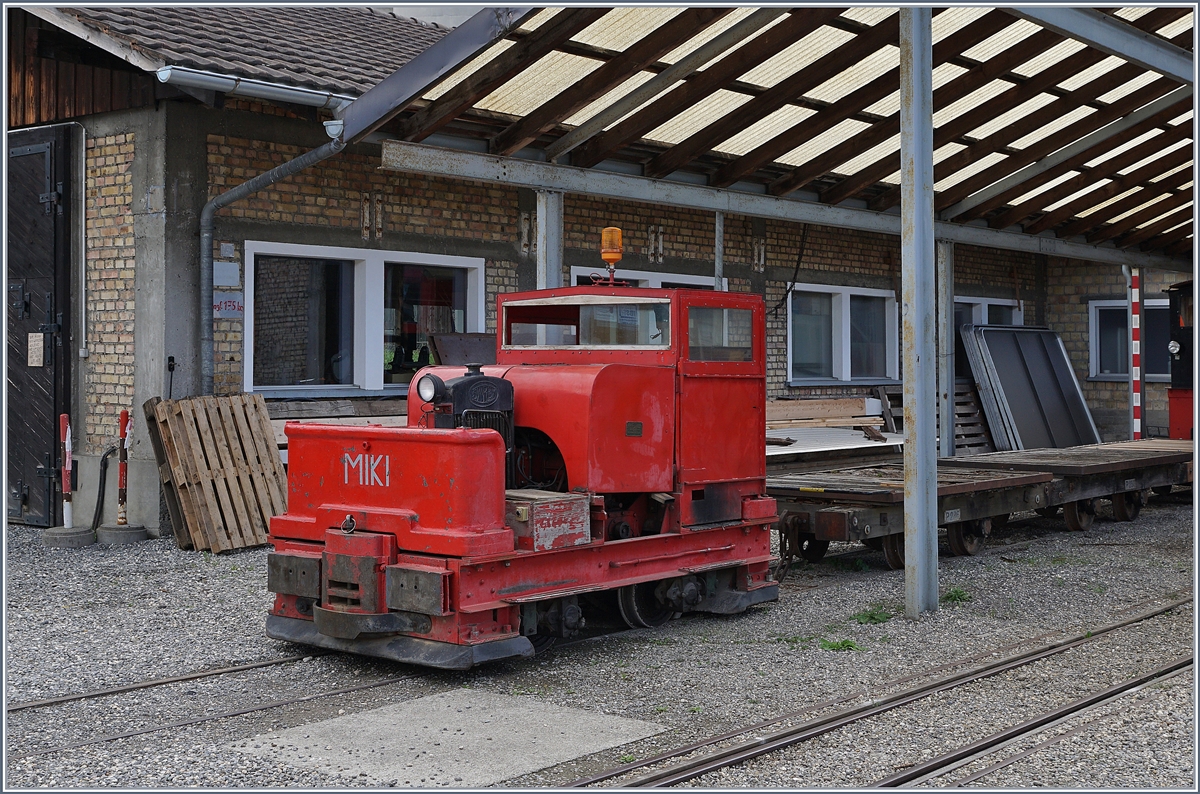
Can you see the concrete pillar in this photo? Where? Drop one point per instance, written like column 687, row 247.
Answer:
column 918, row 288
column 719, row 253
column 549, row 239
column 946, row 337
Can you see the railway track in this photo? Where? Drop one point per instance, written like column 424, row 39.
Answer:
column 730, row 755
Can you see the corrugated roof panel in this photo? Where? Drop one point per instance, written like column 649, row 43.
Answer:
column 1051, row 57
column 978, row 97
column 1148, row 203
column 594, row 107
column 1147, row 160
column 1040, row 189
column 1182, row 118
column 717, row 28
column 1179, row 225
column 698, row 116
column 1060, row 122
column 1131, row 13
column 953, row 20
column 1093, row 72
column 1178, row 26
column 1151, row 203
column 867, row 69
column 1099, row 183
column 791, row 60
column 1145, row 136
column 891, row 103
column 764, row 130
column 997, row 43
column 552, row 74
column 621, row 27
column 1185, row 167
column 1107, row 202
column 987, row 161
column 823, row 142
column 938, row 155
column 472, row 66
column 997, row 123
column 868, row 15
column 863, row 160
column 538, row 19
column 1142, row 80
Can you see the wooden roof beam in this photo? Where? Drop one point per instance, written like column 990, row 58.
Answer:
column 1184, row 246
column 1109, row 168
column 505, row 66
column 648, row 49
column 1164, row 226
column 721, row 75
column 879, row 36
column 951, row 92
column 1141, row 216
column 860, row 98
column 1080, row 225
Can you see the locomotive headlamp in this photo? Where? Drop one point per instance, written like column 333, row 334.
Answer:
column 1173, row 347
column 430, row 387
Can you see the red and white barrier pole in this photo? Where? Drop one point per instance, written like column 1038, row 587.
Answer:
column 1135, row 350
column 64, row 432
column 123, row 468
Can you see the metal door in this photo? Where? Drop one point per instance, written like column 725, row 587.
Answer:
column 38, row 310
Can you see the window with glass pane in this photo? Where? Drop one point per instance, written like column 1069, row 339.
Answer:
column 812, row 335
column 1156, row 333
column 624, row 324
column 720, row 334
column 1113, row 343
column 564, row 323
column 868, row 337
column 999, row 314
column 418, row 301
column 303, row 321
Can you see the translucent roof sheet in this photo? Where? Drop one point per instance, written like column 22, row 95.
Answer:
column 997, row 43
column 621, row 27
column 822, row 142
column 1050, row 57
column 1185, row 167
column 820, row 42
column 1061, row 122
column 552, row 74
column 764, row 130
column 866, row 70
column 1022, row 110
column 1099, row 183
column 1146, row 160
column 698, row 116
column 1107, row 202
column 1053, row 183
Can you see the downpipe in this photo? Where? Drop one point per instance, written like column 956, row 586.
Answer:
column 207, row 218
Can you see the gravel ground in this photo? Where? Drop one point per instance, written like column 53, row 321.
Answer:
column 124, row 614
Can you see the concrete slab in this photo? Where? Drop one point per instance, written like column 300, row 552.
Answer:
column 464, row 738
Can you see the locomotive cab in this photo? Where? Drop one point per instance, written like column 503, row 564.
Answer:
column 616, row 444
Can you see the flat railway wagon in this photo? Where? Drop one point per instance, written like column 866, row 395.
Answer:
column 616, row 445
column 974, row 494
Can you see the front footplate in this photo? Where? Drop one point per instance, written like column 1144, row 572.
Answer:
column 413, row 650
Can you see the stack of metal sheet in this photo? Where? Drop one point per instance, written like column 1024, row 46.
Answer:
column 1027, row 388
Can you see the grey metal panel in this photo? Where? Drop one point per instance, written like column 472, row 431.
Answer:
column 1027, row 377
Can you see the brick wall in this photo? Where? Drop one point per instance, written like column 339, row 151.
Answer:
column 108, row 372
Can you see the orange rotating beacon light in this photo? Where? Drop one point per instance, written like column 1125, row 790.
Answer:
column 610, row 250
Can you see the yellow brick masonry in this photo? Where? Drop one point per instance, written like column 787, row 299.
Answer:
column 108, row 372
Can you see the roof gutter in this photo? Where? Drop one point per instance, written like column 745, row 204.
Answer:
column 185, row 77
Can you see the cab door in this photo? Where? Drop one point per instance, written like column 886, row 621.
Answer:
column 721, row 436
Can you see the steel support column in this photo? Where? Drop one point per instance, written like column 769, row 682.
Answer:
column 549, row 239
column 919, row 290
column 946, row 334
column 719, row 252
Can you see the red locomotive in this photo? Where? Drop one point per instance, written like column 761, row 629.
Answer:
column 617, row 444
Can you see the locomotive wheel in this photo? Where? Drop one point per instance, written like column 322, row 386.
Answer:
column 640, row 607
column 893, row 550
column 1047, row 512
column 1079, row 515
column 1127, row 506
column 542, row 643
column 813, row 550
column 964, row 538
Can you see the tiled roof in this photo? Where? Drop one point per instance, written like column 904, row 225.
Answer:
column 344, row 49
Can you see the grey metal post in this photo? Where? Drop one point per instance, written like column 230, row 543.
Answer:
column 918, row 287
column 719, row 253
column 946, row 337
column 549, row 239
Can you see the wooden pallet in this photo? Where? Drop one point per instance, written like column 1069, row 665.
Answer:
column 971, row 434
column 220, row 467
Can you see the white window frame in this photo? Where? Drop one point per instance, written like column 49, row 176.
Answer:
column 1157, row 304
column 1094, row 338
column 368, row 310
column 841, row 335
column 651, row 279
column 979, row 308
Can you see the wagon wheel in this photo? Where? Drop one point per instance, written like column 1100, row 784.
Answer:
column 1079, row 515
column 640, row 607
column 1127, row 506
column 893, row 550
column 1047, row 512
column 965, row 538
column 813, row 550
column 873, row 543
column 542, row 643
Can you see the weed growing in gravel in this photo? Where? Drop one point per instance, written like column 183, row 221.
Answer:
column 696, row 709
column 1058, row 581
column 1099, row 588
column 840, row 645
column 661, row 709
column 793, row 639
column 874, row 614
column 955, row 595
column 628, row 759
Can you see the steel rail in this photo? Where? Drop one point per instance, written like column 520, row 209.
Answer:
column 796, row 734
column 148, row 684
column 1030, row 726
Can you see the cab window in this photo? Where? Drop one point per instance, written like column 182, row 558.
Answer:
column 716, row 334
column 612, row 323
